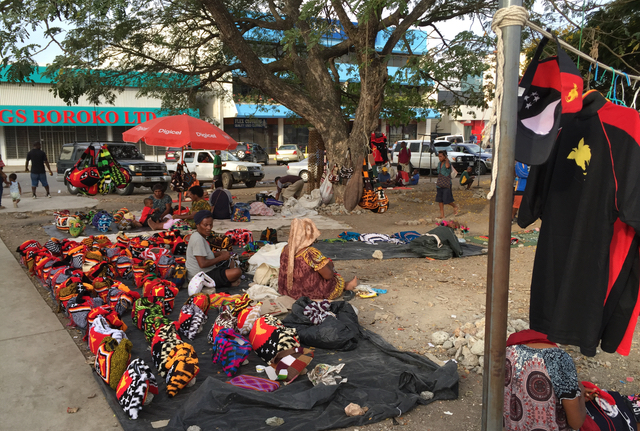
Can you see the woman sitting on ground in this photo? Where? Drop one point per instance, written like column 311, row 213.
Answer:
column 200, row 257
column 161, row 207
column 541, row 375
column 198, row 203
column 304, row 271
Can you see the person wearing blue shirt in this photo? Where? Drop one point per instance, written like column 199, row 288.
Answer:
column 415, row 178
column 384, row 178
column 522, row 173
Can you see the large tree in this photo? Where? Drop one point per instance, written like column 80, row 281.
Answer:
column 180, row 49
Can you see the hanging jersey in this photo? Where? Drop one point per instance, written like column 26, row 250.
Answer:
column 588, row 183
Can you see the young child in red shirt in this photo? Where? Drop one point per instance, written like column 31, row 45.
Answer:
column 146, row 213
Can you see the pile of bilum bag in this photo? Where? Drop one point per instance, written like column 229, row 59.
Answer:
column 97, row 172
column 88, row 280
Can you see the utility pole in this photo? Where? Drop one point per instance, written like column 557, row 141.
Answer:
column 499, row 235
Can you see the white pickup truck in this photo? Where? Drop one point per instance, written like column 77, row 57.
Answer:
column 424, row 155
column 233, row 170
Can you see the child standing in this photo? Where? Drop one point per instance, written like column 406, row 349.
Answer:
column 14, row 189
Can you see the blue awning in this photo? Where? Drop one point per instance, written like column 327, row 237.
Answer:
column 246, row 110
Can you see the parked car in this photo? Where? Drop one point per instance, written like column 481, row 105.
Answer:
column 233, row 170
column 424, row 155
column 448, row 139
column 300, row 168
column 250, row 152
column 484, row 158
column 287, row 153
column 143, row 173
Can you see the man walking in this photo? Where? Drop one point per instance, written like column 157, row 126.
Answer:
column 38, row 160
column 217, row 170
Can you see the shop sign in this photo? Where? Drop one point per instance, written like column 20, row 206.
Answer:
column 74, row 116
column 250, row 123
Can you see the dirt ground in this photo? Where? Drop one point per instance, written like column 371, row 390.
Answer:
column 423, row 296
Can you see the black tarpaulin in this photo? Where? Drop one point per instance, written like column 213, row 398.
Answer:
column 380, row 377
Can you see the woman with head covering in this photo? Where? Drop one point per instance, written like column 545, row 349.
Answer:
column 304, row 271
column 198, row 203
column 200, row 257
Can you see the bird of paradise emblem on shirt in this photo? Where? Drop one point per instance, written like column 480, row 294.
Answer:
column 573, row 94
column 581, row 155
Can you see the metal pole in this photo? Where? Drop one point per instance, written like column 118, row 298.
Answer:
column 499, row 237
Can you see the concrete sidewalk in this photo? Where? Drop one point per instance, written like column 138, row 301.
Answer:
column 42, row 372
column 56, row 202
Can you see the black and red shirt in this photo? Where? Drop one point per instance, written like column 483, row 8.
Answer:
column 586, row 277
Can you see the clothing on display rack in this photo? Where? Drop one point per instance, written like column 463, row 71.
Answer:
column 587, row 197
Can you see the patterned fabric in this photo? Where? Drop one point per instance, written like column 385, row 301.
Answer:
column 181, row 367
column 306, row 280
column 222, row 299
column 350, row 236
column 318, row 311
column 536, row 381
column 161, row 292
column 220, row 242
column 153, row 321
column 240, row 237
column 141, row 308
column 225, row 320
column 375, row 238
column 201, row 205
column 270, row 235
column 121, row 298
column 288, row 364
column 79, row 308
column 269, row 336
column 406, row 237
column 635, row 404
column 54, row 246
column 230, row 349
column 191, row 321
column 112, row 359
column 247, row 318
column 164, row 340
column 200, row 300
column 134, row 386
column 100, row 329
column 254, row 383
column 109, row 314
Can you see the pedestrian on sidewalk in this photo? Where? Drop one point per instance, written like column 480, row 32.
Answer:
column 14, row 189
column 38, row 160
column 444, row 196
column 3, row 181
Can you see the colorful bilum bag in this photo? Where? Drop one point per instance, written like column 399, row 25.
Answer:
column 230, row 349
column 84, row 175
column 369, row 199
column 241, row 212
column 269, row 234
column 219, row 242
column 383, row 201
column 240, row 237
column 346, row 171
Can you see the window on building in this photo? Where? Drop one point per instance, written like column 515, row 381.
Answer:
column 298, row 135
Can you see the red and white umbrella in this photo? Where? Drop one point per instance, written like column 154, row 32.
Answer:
column 180, row 131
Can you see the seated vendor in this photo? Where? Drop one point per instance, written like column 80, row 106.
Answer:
column 304, row 271
column 198, row 203
column 200, row 257
column 161, row 208
column 385, row 179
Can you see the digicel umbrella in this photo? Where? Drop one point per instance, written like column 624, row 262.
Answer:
column 180, row 131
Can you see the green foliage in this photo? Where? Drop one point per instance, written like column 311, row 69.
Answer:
column 176, row 50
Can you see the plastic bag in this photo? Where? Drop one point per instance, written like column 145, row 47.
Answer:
column 326, row 192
